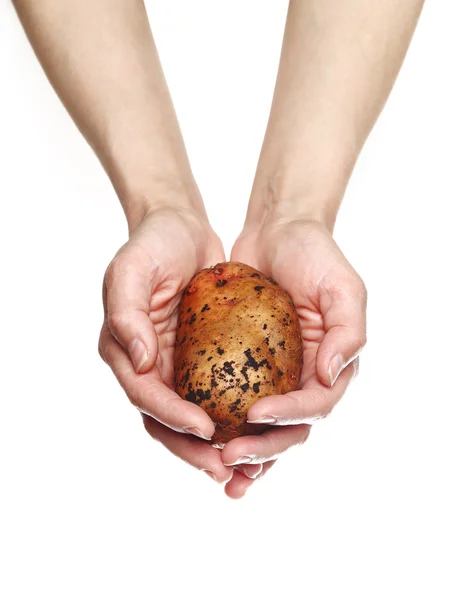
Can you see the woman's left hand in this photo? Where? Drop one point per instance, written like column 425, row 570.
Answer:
column 330, row 299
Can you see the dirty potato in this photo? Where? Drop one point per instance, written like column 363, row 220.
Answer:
column 238, row 340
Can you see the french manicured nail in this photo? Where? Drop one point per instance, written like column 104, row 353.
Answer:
column 210, row 474
column 242, row 460
column 196, row 431
column 138, row 353
column 264, row 419
column 335, row 368
column 252, row 471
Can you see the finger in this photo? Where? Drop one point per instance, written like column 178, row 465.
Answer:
column 127, row 292
column 313, row 402
column 254, row 449
column 344, row 313
column 251, row 471
column 239, row 484
column 198, row 454
column 103, row 335
column 149, row 394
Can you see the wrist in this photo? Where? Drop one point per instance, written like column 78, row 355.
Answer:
column 278, row 200
column 149, row 176
column 173, row 193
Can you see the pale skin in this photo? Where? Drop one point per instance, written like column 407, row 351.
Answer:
column 338, row 64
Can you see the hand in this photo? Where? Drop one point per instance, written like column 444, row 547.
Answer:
column 331, row 304
column 141, row 293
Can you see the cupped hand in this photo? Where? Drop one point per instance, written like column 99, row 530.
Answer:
column 141, row 293
column 330, row 299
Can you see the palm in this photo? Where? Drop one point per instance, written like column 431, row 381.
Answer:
column 141, row 292
column 330, row 301
column 173, row 265
column 304, row 260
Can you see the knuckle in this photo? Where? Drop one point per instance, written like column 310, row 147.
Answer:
column 350, row 287
column 322, row 404
column 310, row 409
column 101, row 352
column 185, row 445
column 305, row 433
column 114, row 320
column 363, row 339
column 115, row 270
column 271, row 449
column 150, row 428
column 360, row 340
column 267, row 448
column 301, row 434
column 110, row 273
column 135, row 399
column 360, row 288
column 143, row 398
column 101, row 346
column 355, row 285
column 364, row 292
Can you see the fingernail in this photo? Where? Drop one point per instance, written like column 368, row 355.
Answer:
column 242, row 460
column 335, row 368
column 252, row 473
column 138, row 353
column 210, row 474
column 263, row 419
column 196, row 431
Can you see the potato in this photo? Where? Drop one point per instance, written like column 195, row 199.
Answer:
column 238, row 340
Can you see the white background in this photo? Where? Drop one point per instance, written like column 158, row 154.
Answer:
column 90, row 507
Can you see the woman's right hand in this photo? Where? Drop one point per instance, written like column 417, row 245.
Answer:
column 141, row 294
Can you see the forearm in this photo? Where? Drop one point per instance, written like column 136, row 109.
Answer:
column 101, row 59
column 338, row 64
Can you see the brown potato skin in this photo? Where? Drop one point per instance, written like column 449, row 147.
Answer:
column 238, row 340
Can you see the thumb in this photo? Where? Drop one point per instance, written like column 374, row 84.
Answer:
column 127, row 291
column 344, row 314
